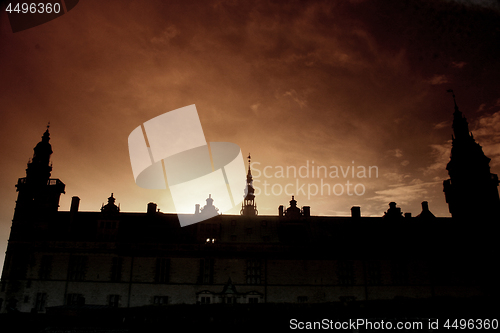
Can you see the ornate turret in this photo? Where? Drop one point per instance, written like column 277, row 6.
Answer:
column 248, row 207
column 471, row 191
column 293, row 210
column 110, row 207
column 37, row 191
column 209, row 210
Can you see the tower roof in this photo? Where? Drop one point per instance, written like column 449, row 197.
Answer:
column 460, row 124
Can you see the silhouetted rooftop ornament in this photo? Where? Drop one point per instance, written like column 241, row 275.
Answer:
column 393, row 212
column 293, row 211
column 110, row 207
column 426, row 213
column 209, row 209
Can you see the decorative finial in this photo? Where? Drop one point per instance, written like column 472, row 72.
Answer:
column 48, row 125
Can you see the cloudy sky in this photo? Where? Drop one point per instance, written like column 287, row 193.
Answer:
column 325, row 83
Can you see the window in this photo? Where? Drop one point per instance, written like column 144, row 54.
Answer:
column 41, row 300
column 19, row 266
column 77, row 268
column 45, row 268
column 345, row 272
column 162, row 273
column 399, row 272
column 206, row 275
column 107, row 230
column 229, row 300
column 113, row 301
column 160, row 300
column 302, row 299
column 373, row 275
column 253, row 300
column 75, row 299
column 116, row 269
column 253, row 271
column 205, row 299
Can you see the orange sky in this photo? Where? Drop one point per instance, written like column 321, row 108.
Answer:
column 291, row 82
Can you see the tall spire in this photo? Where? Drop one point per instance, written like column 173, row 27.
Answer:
column 248, row 207
column 460, row 124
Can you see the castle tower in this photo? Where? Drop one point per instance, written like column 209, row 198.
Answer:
column 471, row 192
column 38, row 193
column 248, row 206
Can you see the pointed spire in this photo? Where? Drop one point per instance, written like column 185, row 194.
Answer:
column 248, row 207
column 454, row 99
column 249, row 174
column 460, row 125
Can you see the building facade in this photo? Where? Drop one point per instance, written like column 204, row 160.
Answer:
column 115, row 259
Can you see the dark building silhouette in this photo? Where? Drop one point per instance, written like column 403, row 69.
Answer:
column 72, row 259
column 472, row 190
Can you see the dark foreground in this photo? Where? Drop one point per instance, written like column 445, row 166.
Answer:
column 427, row 315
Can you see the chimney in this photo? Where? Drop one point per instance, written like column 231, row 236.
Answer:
column 280, row 210
column 355, row 211
column 197, row 209
column 407, row 215
column 425, row 206
column 306, row 211
column 75, row 203
column 151, row 208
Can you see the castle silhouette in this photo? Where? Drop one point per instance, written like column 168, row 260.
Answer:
column 59, row 260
